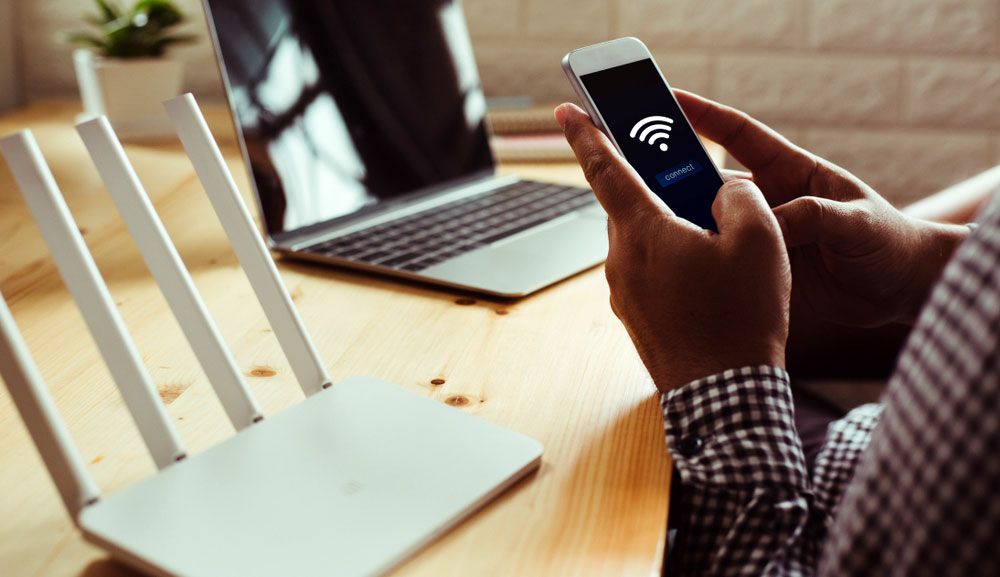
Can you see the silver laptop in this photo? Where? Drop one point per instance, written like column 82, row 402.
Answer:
column 363, row 126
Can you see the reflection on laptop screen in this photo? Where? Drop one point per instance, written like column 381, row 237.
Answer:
column 345, row 103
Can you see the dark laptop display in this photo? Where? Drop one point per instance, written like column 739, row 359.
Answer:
column 346, row 104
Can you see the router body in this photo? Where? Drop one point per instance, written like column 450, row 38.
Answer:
column 348, row 483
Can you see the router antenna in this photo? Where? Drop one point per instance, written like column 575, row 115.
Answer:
column 40, row 416
column 77, row 268
column 168, row 270
column 246, row 241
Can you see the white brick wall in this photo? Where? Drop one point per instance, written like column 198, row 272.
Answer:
column 708, row 24
column 803, row 89
column 934, row 26
column 906, row 93
column 953, row 92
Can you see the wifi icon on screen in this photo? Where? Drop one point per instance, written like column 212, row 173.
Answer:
column 651, row 129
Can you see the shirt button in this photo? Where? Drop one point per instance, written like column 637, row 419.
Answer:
column 689, row 445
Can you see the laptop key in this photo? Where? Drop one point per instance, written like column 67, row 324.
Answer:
column 400, row 259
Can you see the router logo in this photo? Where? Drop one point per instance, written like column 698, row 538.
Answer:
column 651, row 129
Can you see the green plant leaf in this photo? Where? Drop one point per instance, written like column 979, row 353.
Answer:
column 109, row 10
column 163, row 13
column 141, row 31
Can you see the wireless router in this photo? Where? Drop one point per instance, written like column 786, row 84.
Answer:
column 350, row 482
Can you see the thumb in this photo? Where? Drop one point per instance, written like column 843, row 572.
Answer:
column 811, row 219
column 740, row 208
column 617, row 186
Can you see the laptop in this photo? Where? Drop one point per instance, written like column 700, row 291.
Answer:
column 363, row 127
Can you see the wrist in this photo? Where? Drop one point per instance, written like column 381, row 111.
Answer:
column 691, row 366
column 937, row 242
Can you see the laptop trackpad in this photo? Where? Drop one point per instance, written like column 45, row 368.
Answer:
column 530, row 261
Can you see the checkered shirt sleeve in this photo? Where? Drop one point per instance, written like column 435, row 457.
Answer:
column 907, row 487
column 742, row 472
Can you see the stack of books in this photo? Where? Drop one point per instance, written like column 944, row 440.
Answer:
column 526, row 133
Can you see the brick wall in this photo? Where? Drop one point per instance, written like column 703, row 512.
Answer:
column 906, row 93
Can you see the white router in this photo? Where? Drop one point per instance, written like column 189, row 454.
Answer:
column 350, row 482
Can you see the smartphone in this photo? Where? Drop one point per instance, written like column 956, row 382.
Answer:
column 627, row 97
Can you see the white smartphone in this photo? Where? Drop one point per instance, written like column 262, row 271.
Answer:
column 627, row 97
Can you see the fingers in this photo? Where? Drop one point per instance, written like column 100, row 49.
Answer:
column 617, row 186
column 751, row 142
column 730, row 174
column 740, row 208
column 811, row 219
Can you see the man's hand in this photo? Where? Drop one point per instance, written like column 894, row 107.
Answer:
column 695, row 303
column 856, row 260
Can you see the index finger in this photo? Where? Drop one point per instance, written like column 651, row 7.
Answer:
column 751, row 142
column 617, row 186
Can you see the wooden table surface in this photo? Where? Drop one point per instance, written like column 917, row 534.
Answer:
column 556, row 366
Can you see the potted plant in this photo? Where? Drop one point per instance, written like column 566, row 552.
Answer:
column 121, row 66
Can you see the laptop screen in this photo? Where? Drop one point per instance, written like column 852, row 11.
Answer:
column 345, row 104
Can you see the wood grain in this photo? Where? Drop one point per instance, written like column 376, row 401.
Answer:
column 556, row 366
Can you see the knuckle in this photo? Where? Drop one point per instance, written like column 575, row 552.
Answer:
column 596, row 165
column 865, row 217
column 813, row 208
column 802, row 214
column 738, row 130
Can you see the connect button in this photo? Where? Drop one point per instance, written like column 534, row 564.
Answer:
column 679, row 172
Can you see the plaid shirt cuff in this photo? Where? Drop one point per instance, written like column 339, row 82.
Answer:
column 735, row 430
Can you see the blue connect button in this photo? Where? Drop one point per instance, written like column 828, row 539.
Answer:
column 679, row 172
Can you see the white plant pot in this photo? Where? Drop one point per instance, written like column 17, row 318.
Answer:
column 129, row 91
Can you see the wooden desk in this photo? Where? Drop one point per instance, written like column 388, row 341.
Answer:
column 556, row 366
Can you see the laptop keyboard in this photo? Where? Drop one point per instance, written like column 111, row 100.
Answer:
column 417, row 241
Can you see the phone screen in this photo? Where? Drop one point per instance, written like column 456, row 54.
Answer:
column 655, row 138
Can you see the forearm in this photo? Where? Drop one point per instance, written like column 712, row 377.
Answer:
column 958, row 203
